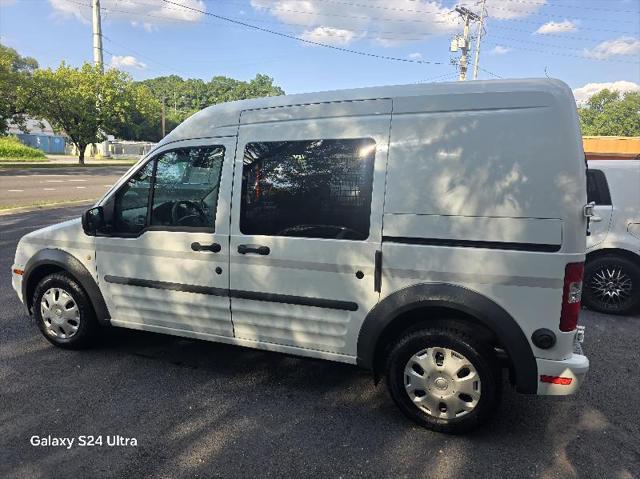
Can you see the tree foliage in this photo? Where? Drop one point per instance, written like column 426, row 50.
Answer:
column 609, row 113
column 185, row 97
column 87, row 105
column 143, row 115
column 15, row 70
column 83, row 102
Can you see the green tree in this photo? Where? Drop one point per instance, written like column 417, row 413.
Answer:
column 185, row 97
column 143, row 115
column 15, row 71
column 82, row 102
column 608, row 113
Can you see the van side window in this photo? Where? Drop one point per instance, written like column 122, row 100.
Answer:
column 185, row 184
column 185, row 191
column 597, row 187
column 132, row 201
column 312, row 188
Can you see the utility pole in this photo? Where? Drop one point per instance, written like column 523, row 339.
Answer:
column 476, row 61
column 97, row 36
column 463, row 43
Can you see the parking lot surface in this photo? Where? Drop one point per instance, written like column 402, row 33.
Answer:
column 200, row 409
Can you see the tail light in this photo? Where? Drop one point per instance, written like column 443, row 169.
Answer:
column 571, row 296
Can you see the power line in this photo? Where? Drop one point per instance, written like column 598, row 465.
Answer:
column 362, row 5
column 559, row 35
column 573, row 6
column 377, row 33
column 537, row 14
column 141, row 55
column 437, row 9
column 311, row 42
column 548, row 45
column 324, row 14
column 569, row 55
column 591, row 29
column 446, row 76
column 490, row 73
column 342, row 15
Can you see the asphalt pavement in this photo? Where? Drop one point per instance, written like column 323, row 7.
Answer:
column 200, row 409
column 25, row 187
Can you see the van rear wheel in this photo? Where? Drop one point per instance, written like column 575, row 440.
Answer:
column 612, row 285
column 63, row 312
column 443, row 379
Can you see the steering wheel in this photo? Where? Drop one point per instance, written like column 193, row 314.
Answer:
column 191, row 207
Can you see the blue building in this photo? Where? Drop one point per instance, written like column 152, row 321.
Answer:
column 40, row 136
column 53, row 144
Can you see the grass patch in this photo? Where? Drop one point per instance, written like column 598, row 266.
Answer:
column 12, row 150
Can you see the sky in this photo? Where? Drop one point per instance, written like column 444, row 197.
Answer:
column 589, row 44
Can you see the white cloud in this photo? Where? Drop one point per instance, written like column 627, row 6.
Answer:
column 387, row 23
column 126, row 61
column 499, row 50
column 415, row 56
column 611, row 48
column 377, row 20
column 583, row 93
column 558, row 27
column 329, row 35
column 146, row 15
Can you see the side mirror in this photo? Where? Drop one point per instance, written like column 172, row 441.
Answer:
column 93, row 220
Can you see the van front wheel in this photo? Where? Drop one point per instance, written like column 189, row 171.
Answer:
column 443, row 379
column 63, row 312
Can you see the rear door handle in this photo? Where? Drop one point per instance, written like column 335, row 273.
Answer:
column 214, row 247
column 253, row 248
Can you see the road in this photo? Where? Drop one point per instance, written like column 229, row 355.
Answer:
column 24, row 187
column 200, row 409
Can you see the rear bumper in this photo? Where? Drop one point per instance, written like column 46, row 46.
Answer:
column 572, row 372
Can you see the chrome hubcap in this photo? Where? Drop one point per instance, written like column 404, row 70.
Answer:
column 60, row 313
column 611, row 286
column 442, row 382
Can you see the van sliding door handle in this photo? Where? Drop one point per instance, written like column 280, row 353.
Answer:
column 253, row 248
column 214, row 248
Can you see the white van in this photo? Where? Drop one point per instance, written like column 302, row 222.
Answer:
column 612, row 270
column 433, row 234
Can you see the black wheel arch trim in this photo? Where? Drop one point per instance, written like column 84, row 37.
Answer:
column 70, row 264
column 456, row 298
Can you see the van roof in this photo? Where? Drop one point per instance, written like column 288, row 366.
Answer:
column 202, row 123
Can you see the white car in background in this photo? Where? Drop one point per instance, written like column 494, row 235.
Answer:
column 612, row 271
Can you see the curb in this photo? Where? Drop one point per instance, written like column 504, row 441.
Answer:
column 29, row 166
column 28, row 209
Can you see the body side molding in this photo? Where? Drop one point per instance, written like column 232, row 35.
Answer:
column 236, row 293
column 69, row 263
column 456, row 298
column 458, row 243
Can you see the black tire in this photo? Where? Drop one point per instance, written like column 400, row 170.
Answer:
column 478, row 354
column 87, row 325
column 601, row 267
